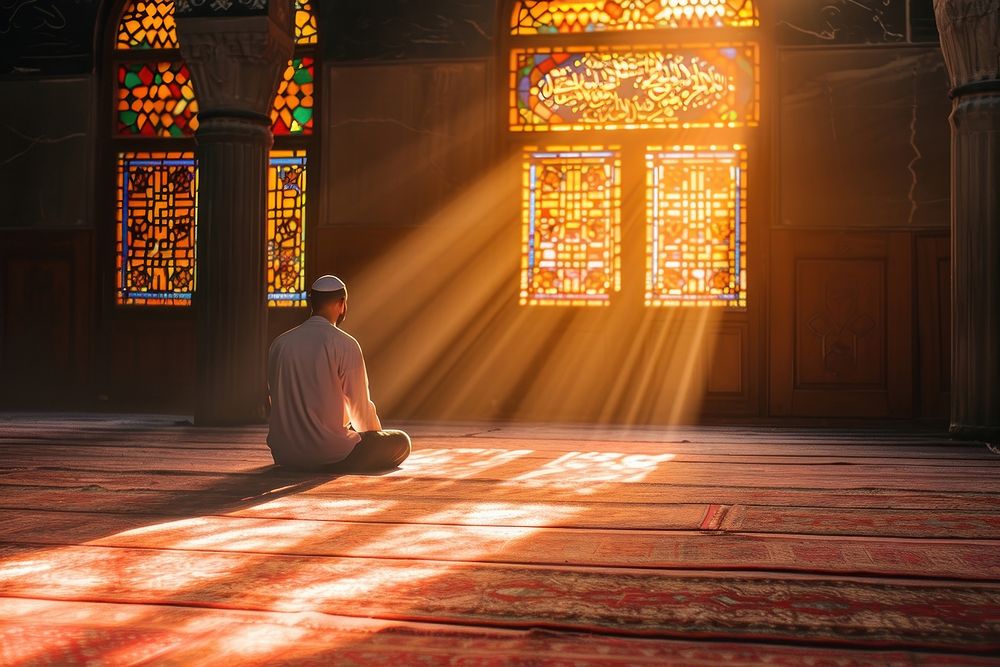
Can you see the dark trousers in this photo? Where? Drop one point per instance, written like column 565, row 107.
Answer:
column 378, row 450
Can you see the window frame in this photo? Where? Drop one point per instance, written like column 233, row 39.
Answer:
column 634, row 144
column 117, row 144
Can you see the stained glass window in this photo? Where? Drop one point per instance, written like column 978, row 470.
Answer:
column 595, row 89
column 292, row 112
column 571, row 226
column 157, row 223
column 149, row 24
column 157, row 191
column 696, row 206
column 157, row 213
column 156, row 100
column 286, row 210
column 306, row 31
column 541, row 17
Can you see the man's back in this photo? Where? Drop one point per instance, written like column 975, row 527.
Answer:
column 318, row 384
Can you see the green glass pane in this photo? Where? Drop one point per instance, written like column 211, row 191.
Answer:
column 132, row 80
column 303, row 115
column 128, row 118
column 302, row 75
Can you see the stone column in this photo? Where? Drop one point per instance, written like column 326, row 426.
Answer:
column 236, row 52
column 970, row 39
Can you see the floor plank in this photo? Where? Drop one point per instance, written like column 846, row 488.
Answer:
column 975, row 560
column 172, row 635
column 142, row 538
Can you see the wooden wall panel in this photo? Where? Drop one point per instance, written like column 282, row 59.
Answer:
column 732, row 384
column 725, row 367
column 934, row 325
column 401, row 140
column 46, row 331
column 841, row 329
column 863, row 139
column 152, row 361
column 46, row 151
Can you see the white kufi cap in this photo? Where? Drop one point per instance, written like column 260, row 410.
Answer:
column 329, row 284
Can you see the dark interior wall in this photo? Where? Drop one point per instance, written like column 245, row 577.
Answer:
column 47, row 144
column 412, row 118
column 859, row 267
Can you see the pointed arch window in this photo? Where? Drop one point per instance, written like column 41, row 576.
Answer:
column 628, row 75
column 155, row 118
column 555, row 17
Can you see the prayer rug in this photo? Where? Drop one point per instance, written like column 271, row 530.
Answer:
column 791, row 608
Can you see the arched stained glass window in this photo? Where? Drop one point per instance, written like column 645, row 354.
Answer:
column 156, row 115
column 637, row 92
column 149, row 24
column 552, row 17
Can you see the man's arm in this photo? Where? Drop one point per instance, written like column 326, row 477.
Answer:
column 360, row 408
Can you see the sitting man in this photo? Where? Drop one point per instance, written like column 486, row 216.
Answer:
column 318, row 386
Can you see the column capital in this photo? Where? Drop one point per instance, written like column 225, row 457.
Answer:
column 970, row 40
column 236, row 59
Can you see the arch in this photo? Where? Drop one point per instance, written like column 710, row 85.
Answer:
column 549, row 17
column 156, row 114
column 599, row 78
column 149, row 24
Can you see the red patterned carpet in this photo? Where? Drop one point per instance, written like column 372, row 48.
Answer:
column 144, row 541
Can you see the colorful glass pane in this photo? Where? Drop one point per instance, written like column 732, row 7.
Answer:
column 571, row 227
column 157, row 214
column 157, row 221
column 696, row 205
column 147, row 24
column 156, row 100
column 286, row 220
column 588, row 89
column 293, row 105
column 541, row 17
column 150, row 25
column 306, row 31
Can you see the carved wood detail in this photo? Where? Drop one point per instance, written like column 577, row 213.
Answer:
column 970, row 38
column 841, row 332
column 840, row 323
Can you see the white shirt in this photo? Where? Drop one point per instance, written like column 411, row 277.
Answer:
column 318, row 385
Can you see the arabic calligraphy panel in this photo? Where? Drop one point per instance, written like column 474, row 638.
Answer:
column 601, row 89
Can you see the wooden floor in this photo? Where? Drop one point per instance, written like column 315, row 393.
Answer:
column 135, row 539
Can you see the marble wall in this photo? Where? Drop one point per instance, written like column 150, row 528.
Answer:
column 47, row 36
column 47, row 152
column 864, row 138
column 362, row 30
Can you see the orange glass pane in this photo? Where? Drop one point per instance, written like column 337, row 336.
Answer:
column 147, row 24
column 696, row 210
column 156, row 100
column 571, row 232
column 306, row 30
column 286, row 222
column 292, row 112
column 548, row 17
column 157, row 221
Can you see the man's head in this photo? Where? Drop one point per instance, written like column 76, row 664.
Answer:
column 328, row 298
